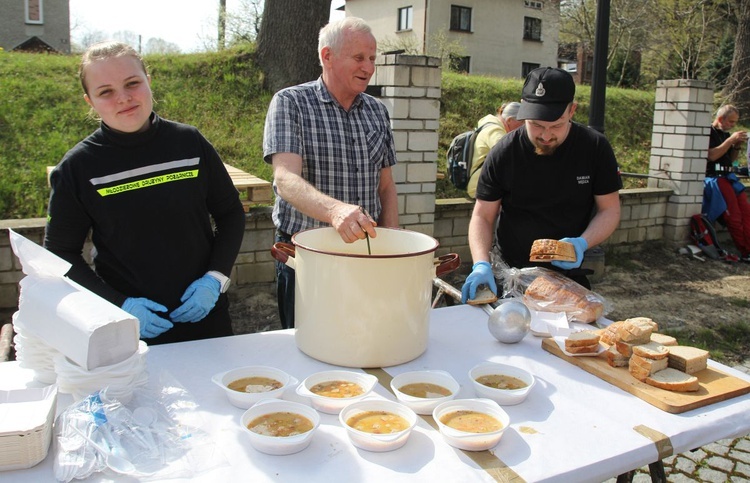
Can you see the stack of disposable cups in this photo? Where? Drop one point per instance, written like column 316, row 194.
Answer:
column 33, row 353
column 120, row 378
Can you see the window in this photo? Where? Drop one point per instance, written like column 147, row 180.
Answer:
column 460, row 18
column 533, row 4
column 405, row 16
column 460, row 64
column 527, row 67
column 34, row 11
column 532, row 28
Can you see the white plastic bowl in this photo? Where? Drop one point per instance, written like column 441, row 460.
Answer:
column 377, row 442
column 333, row 405
column 471, row 441
column 279, row 445
column 422, row 405
column 246, row 399
column 504, row 397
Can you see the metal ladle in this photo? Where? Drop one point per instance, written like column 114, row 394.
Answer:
column 115, row 463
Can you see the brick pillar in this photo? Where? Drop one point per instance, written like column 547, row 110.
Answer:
column 679, row 146
column 410, row 89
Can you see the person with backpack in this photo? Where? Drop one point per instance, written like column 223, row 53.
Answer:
column 544, row 180
column 724, row 197
column 493, row 128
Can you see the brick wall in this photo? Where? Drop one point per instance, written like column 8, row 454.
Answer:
column 643, row 214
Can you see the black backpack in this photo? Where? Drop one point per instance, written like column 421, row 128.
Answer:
column 459, row 157
column 703, row 234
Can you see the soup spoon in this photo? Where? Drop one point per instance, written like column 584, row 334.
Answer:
column 116, row 463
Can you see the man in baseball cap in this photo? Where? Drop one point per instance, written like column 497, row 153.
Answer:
column 544, row 180
column 547, row 93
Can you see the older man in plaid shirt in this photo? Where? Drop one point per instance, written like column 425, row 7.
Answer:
column 332, row 150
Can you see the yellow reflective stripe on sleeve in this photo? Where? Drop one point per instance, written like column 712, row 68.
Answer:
column 146, row 182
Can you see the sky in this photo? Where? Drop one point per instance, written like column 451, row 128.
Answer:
column 190, row 24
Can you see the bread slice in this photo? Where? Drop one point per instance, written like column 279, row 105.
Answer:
column 673, row 380
column 636, row 330
column 641, row 367
column 483, row 296
column 663, row 339
column 583, row 349
column 624, row 348
column 615, row 359
column 581, row 339
column 645, row 321
column 546, row 250
column 652, row 350
column 687, row 359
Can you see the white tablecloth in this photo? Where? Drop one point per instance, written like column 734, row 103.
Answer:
column 572, row 427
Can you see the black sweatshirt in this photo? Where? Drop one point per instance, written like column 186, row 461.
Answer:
column 148, row 199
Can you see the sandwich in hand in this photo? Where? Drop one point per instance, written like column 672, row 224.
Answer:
column 546, row 250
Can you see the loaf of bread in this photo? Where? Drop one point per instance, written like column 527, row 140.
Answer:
column 552, row 292
column 651, row 350
column 546, row 250
column 615, row 359
column 673, row 380
column 687, row 359
column 609, row 333
column 641, row 368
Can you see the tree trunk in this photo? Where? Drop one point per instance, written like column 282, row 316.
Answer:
column 737, row 90
column 222, row 23
column 288, row 41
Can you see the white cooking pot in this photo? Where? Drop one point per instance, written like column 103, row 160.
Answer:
column 358, row 310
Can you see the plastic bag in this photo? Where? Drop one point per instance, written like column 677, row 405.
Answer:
column 552, row 291
column 157, row 431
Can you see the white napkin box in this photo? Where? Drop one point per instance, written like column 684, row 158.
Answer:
column 84, row 327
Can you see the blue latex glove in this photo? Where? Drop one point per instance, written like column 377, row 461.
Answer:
column 581, row 245
column 481, row 274
column 198, row 300
column 150, row 323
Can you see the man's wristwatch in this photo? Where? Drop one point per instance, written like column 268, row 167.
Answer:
column 224, row 281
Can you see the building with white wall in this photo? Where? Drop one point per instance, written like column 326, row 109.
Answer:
column 505, row 38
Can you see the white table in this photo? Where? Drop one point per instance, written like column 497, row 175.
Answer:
column 572, row 427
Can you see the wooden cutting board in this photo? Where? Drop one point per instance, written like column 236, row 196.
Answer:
column 715, row 385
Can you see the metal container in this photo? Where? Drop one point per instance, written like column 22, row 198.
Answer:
column 358, row 310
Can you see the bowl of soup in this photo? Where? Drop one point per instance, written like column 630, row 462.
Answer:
column 471, row 424
column 330, row 391
column 279, row 427
column 505, row 384
column 244, row 386
column 421, row 391
column 378, row 424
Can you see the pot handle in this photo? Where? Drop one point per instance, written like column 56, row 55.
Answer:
column 283, row 252
column 447, row 263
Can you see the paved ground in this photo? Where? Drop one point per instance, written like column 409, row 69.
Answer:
column 726, row 460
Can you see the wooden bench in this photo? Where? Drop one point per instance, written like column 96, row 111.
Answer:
column 252, row 189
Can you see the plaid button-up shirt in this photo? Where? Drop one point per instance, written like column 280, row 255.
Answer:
column 342, row 151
